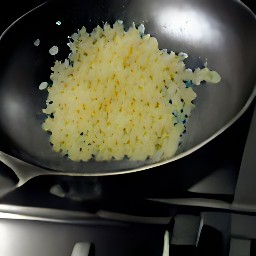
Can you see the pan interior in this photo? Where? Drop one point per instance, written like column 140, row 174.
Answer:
column 221, row 32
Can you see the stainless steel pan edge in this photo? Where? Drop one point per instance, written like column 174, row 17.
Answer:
column 26, row 171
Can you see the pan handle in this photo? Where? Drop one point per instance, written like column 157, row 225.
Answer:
column 24, row 171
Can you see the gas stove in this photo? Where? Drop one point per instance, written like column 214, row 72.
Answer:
column 206, row 202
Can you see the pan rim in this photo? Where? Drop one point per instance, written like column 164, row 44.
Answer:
column 150, row 165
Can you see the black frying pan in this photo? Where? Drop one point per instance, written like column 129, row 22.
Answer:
column 223, row 32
